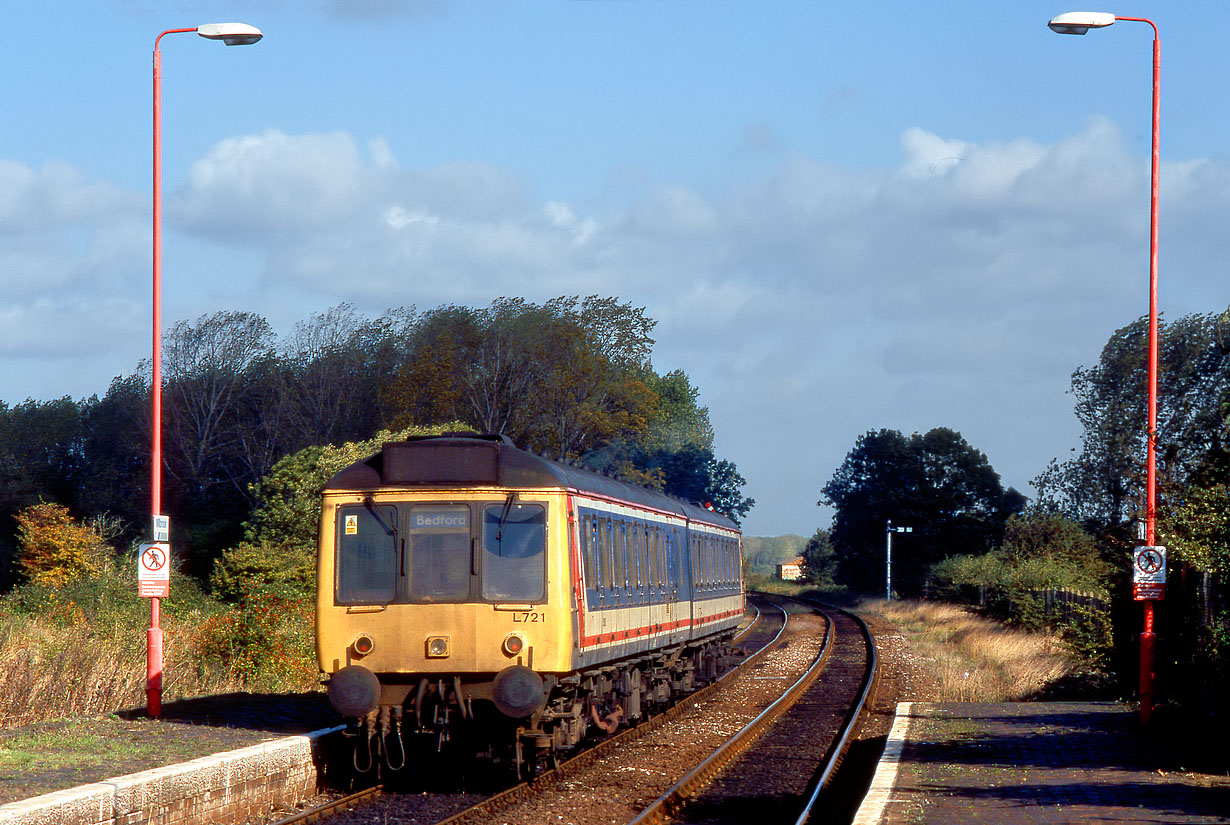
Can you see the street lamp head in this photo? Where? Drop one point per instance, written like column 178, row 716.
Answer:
column 232, row 34
column 1079, row 22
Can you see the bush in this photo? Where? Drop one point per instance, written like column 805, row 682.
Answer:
column 55, row 549
column 265, row 641
column 285, row 569
column 1088, row 635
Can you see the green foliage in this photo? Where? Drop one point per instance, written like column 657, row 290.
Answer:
column 265, row 640
column 935, row 483
column 820, row 558
column 1041, row 552
column 1104, row 483
column 1088, row 634
column 1196, row 528
column 763, row 554
column 284, row 569
column 674, row 452
column 106, row 601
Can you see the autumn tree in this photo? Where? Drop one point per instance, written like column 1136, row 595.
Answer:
column 55, row 549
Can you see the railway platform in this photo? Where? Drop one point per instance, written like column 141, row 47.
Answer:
column 1031, row 763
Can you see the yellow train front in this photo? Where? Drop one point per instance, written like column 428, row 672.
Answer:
column 471, row 591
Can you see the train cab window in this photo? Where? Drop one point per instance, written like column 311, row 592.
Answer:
column 366, row 554
column 439, row 553
column 514, row 552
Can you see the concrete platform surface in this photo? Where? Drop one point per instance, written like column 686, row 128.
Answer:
column 1033, row 763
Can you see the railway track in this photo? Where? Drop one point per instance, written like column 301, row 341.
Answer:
column 793, row 690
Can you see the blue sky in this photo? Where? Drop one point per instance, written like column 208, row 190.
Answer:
column 843, row 218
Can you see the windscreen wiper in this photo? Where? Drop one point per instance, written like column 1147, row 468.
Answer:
column 508, row 503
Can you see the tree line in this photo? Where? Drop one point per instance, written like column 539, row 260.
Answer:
column 571, row 378
column 972, row 539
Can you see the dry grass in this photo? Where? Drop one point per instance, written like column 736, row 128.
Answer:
column 50, row 671
column 971, row 658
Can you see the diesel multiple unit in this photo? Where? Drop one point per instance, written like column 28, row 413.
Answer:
column 467, row 587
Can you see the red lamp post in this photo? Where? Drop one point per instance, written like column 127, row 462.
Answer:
column 233, row 34
column 1079, row 23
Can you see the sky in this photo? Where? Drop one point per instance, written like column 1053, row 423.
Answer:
column 842, row 217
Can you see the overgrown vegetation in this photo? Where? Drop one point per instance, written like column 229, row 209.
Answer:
column 571, row 377
column 971, row 658
column 253, row 428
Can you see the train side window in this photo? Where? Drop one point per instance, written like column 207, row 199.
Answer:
column 619, row 552
column 602, row 529
column 589, row 555
column 671, row 568
column 366, row 554
column 724, row 553
column 710, row 561
column 439, row 553
column 638, row 545
column 698, row 567
column 514, row 552
column 655, row 563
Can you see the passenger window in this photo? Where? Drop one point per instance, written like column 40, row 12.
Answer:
column 366, row 554
column 439, row 557
column 514, row 552
column 655, row 564
column 638, row 543
column 603, row 531
column 619, row 551
column 589, row 557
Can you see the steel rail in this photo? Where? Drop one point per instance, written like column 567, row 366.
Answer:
column 676, row 796
column 572, row 765
column 498, row 802
column 853, row 719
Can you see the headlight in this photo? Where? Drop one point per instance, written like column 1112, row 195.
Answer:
column 513, row 643
column 437, row 647
column 362, row 645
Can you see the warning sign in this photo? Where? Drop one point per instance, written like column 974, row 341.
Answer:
column 1149, row 574
column 154, row 570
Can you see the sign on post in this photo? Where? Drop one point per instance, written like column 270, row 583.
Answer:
column 1149, row 574
column 154, row 570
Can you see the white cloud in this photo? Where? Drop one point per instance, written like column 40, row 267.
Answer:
column 808, row 305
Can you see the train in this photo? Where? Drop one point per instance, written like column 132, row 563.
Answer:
column 475, row 596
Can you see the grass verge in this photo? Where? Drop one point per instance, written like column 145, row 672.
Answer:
column 973, row 659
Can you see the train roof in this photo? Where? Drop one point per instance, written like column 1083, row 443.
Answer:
column 473, row 459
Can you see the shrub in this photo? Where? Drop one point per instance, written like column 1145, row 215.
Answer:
column 1088, row 635
column 265, row 641
column 286, row 569
column 55, row 549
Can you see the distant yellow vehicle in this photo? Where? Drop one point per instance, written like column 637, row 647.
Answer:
column 473, row 592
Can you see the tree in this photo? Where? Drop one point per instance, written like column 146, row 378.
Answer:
column 55, row 549
column 279, row 541
column 935, row 483
column 1103, row 485
column 819, row 558
column 206, row 368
